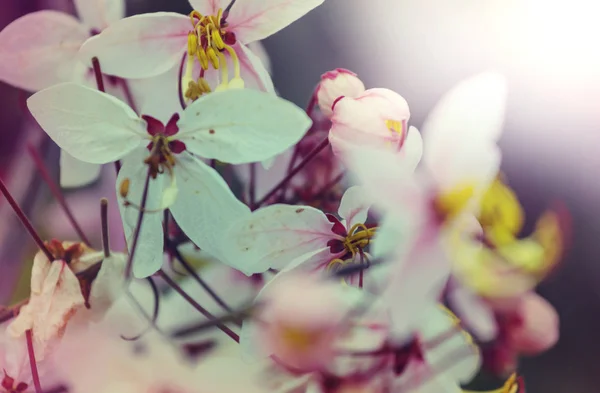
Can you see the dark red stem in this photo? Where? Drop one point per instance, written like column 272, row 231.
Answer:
column 104, row 223
column 32, row 362
column 128, row 95
column 136, row 234
column 294, row 172
column 55, row 189
column 179, row 86
column 197, row 306
column 25, row 221
column 98, row 74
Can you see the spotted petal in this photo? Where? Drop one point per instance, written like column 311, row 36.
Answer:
column 140, row 46
column 91, row 126
column 40, row 50
column 205, row 207
column 253, row 20
column 241, row 125
column 99, row 14
column 274, row 236
column 149, row 251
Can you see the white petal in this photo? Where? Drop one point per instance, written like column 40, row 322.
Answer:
column 387, row 179
column 208, row 7
column 241, row 126
column 272, row 237
column 108, row 285
column 412, row 149
column 76, row 173
column 474, row 313
column 205, row 206
column 91, row 126
column 40, row 50
column 261, row 52
column 354, row 206
column 149, row 251
column 466, row 119
column 253, row 20
column 140, row 46
column 98, row 14
column 253, row 70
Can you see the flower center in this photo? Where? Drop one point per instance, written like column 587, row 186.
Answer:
column 358, row 238
column 9, row 386
column 163, row 146
column 207, row 44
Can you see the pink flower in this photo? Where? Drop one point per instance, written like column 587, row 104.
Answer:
column 335, row 85
column 377, row 117
column 214, row 37
column 299, row 330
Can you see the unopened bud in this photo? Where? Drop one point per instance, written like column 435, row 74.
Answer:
column 335, row 84
column 124, row 188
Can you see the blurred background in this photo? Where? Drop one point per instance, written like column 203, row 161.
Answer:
column 551, row 144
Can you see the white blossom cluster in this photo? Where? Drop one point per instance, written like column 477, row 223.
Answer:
column 340, row 251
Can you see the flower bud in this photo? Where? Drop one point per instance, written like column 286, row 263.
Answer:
column 377, row 118
column 335, row 84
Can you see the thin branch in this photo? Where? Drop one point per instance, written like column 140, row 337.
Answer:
column 34, row 371
column 136, row 234
column 104, row 223
column 98, row 74
column 195, row 275
column 155, row 312
column 55, row 189
column 25, row 221
column 234, row 336
column 294, row 172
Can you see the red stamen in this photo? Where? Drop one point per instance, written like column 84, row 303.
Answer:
column 98, row 74
column 55, row 189
column 25, row 221
column 234, row 336
column 294, row 172
column 32, row 362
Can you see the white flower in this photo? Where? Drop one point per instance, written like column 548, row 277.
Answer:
column 285, row 236
column 237, row 126
column 213, row 38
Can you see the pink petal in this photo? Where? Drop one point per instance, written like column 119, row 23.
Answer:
column 40, row 50
column 208, row 7
column 538, row 331
column 98, row 14
column 253, row 20
column 140, row 46
column 253, row 71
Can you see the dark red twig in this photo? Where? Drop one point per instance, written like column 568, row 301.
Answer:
column 98, row 74
column 34, row 371
column 25, row 221
column 104, row 223
column 138, row 226
column 58, row 195
column 234, row 336
column 294, row 172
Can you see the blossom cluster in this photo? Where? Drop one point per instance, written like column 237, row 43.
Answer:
column 377, row 259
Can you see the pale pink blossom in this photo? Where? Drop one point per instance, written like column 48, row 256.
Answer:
column 150, row 44
column 298, row 329
column 336, row 84
column 377, row 118
column 285, row 236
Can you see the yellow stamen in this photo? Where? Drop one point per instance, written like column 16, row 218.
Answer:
column 501, row 214
column 358, row 238
column 394, row 126
column 510, row 386
column 450, row 203
column 213, row 57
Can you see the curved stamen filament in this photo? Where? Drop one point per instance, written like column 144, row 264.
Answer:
column 359, row 237
column 224, row 71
